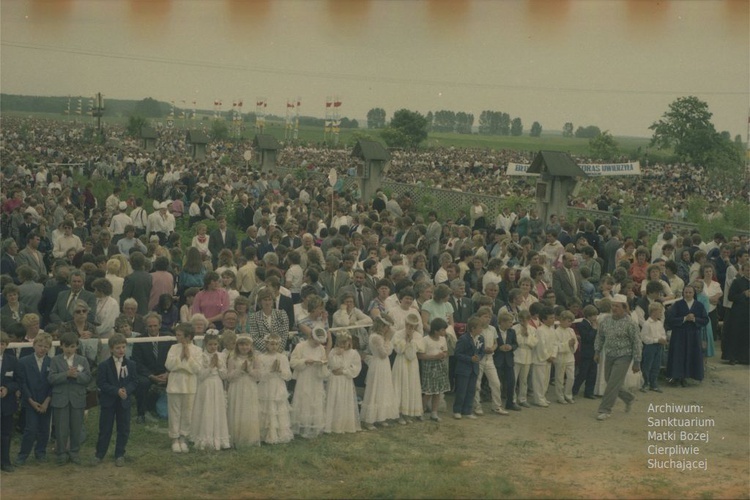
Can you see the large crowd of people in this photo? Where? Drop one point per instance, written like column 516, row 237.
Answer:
column 303, row 306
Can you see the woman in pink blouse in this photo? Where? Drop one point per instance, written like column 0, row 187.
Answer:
column 212, row 301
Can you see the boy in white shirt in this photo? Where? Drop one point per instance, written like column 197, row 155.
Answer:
column 654, row 339
column 543, row 356
column 487, row 365
column 565, row 363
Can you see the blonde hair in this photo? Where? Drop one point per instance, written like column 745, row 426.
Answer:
column 567, row 315
column 655, row 306
column 113, row 266
column 43, row 338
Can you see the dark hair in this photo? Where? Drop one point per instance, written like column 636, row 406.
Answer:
column 209, row 277
column 545, row 313
column 193, row 262
column 102, row 285
column 161, row 264
column 535, row 309
column 437, row 324
column 116, row 339
column 69, row 339
column 165, row 302
column 137, row 261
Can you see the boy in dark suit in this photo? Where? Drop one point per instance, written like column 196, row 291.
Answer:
column 116, row 380
column 8, row 403
column 587, row 367
column 36, row 393
column 69, row 375
column 503, row 357
column 467, row 352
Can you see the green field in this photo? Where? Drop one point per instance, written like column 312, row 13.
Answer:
column 314, row 135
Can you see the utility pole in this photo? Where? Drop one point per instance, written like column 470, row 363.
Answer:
column 97, row 111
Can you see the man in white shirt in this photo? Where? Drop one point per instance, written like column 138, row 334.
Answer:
column 113, row 201
column 139, row 216
column 119, row 222
column 66, row 241
column 158, row 223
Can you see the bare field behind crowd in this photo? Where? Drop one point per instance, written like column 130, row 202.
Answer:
column 557, row 452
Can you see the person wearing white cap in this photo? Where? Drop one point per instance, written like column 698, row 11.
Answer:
column 619, row 337
column 119, row 222
column 158, row 223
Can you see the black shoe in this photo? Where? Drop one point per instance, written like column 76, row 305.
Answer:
column 589, row 397
column 683, row 382
column 7, row 468
column 514, row 407
column 140, row 419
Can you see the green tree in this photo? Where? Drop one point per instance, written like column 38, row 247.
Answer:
column 604, row 146
column 503, row 126
column 444, row 121
column 536, row 129
column 430, row 119
column 219, row 130
column 464, row 122
column 376, row 118
column 587, row 132
column 567, row 130
column 686, row 128
column 407, row 129
column 150, row 108
column 135, row 125
column 516, row 127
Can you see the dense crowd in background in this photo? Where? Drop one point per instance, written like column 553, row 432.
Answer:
column 488, row 306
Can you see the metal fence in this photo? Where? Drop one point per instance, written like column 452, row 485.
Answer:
column 450, row 201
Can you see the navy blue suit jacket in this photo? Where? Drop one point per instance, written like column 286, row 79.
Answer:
column 465, row 349
column 505, row 357
column 9, row 380
column 109, row 382
column 588, row 336
column 34, row 384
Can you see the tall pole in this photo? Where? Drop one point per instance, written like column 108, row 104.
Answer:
column 98, row 110
column 296, row 118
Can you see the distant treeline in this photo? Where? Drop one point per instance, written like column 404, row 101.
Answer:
column 148, row 108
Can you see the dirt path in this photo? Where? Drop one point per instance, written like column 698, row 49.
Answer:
column 558, row 452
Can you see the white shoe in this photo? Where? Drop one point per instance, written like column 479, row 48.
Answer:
column 176, row 447
column 457, row 416
column 543, row 404
column 472, row 417
column 402, row 421
column 500, row 411
column 562, row 401
column 478, row 411
column 184, row 447
column 369, row 427
column 603, row 416
column 570, row 400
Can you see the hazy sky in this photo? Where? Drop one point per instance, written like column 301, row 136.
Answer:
column 614, row 64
